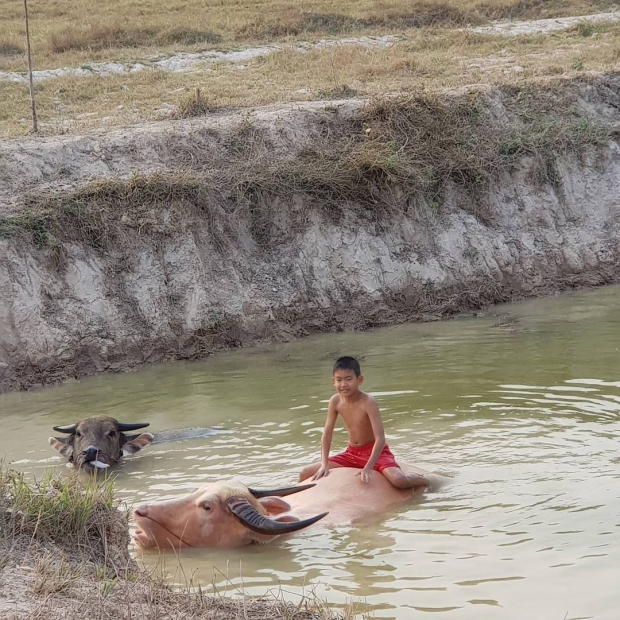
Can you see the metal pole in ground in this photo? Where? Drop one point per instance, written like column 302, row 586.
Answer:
column 35, row 126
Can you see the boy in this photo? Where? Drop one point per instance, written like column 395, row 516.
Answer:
column 367, row 449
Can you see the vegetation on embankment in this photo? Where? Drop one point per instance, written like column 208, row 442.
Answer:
column 64, row 553
column 417, row 146
column 83, row 520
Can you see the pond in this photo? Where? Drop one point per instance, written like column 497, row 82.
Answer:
column 520, row 408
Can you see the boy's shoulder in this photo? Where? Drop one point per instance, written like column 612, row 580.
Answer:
column 367, row 398
column 364, row 398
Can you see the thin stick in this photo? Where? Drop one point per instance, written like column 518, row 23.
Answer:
column 35, row 126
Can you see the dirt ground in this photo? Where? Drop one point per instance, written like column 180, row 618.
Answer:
column 41, row 591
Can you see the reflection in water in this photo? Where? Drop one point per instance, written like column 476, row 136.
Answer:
column 521, row 412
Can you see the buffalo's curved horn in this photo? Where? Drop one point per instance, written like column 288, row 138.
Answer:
column 247, row 515
column 69, row 429
column 280, row 492
column 122, row 426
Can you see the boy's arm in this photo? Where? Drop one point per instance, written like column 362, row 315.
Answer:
column 372, row 409
column 326, row 437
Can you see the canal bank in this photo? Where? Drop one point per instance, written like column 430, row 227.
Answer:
column 178, row 239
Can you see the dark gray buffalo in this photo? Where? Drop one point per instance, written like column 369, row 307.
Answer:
column 98, row 442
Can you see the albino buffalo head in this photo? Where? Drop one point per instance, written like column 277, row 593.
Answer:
column 98, row 442
column 225, row 515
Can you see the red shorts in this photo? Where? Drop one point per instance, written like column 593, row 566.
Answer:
column 357, row 456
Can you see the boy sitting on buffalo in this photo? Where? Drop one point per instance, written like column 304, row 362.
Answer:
column 367, row 450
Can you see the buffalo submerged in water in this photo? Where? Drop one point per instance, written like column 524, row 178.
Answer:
column 230, row 514
column 99, row 442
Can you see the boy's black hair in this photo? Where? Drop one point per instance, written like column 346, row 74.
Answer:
column 348, row 363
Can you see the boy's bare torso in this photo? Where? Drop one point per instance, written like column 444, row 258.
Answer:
column 355, row 418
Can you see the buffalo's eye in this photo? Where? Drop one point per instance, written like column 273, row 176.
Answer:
column 207, row 506
column 78, row 434
column 111, row 433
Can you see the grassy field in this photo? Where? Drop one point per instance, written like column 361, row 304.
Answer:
column 425, row 62
column 432, row 54
column 134, row 28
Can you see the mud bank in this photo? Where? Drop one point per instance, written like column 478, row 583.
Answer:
column 174, row 240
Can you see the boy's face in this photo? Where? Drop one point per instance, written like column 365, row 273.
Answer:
column 346, row 383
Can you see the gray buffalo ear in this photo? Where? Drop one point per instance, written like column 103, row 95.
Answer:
column 132, row 443
column 64, row 445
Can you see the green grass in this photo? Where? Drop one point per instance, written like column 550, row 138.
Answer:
column 69, row 512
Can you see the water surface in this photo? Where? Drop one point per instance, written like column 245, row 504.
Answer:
column 519, row 407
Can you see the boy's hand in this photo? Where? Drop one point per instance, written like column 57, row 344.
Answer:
column 323, row 471
column 365, row 474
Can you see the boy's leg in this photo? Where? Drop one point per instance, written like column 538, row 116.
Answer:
column 310, row 470
column 399, row 479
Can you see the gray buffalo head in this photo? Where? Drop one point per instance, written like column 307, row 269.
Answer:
column 98, row 442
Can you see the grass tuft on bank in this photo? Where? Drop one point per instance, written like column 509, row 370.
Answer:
column 65, row 512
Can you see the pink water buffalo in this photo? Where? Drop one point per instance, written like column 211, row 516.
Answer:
column 229, row 514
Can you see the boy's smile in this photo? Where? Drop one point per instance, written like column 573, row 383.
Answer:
column 346, row 382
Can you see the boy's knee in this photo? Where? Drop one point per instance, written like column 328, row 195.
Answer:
column 306, row 472
column 400, row 481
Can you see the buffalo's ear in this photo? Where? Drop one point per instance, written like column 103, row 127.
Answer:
column 64, row 445
column 132, row 443
column 287, row 519
column 275, row 505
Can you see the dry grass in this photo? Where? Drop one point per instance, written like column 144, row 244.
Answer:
column 98, row 38
column 60, row 590
column 9, row 48
column 412, row 146
column 193, row 105
column 428, row 61
column 70, row 34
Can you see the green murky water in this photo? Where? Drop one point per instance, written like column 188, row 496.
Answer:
column 521, row 407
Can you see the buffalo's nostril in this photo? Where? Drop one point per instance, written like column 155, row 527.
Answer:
column 90, row 454
column 140, row 511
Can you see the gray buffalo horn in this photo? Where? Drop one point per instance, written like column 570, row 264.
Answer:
column 247, row 515
column 122, row 427
column 280, row 492
column 131, row 427
column 70, row 428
